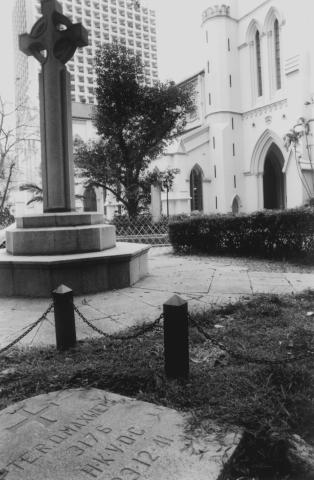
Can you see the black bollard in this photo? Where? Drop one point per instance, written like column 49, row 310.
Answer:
column 176, row 338
column 64, row 317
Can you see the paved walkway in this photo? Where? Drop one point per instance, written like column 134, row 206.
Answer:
column 202, row 281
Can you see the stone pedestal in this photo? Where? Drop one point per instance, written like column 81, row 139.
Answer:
column 75, row 249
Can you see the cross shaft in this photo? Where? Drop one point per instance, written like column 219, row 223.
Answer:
column 53, row 40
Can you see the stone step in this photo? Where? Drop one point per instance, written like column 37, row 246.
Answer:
column 64, row 219
column 60, row 240
column 85, row 273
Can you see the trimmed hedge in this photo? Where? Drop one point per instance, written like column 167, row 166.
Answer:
column 273, row 234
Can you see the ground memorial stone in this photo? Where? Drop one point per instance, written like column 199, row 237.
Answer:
column 91, row 434
column 53, row 41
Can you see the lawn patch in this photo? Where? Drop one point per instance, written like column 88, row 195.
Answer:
column 270, row 400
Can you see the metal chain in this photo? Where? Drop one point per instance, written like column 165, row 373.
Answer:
column 141, row 331
column 246, row 357
column 29, row 329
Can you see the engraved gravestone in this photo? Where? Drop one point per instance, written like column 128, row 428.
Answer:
column 91, row 434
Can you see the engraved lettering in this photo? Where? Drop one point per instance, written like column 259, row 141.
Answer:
column 136, row 431
column 142, row 462
column 167, row 439
column 84, row 443
column 114, row 448
column 86, row 417
column 90, row 470
column 57, row 439
column 15, row 465
column 100, row 458
column 90, row 435
column 104, row 429
column 78, row 425
column 68, row 430
column 130, row 470
column 103, row 402
column 162, row 441
column 145, row 455
column 33, row 417
column 126, row 440
column 91, row 413
column 98, row 410
column 26, row 458
column 42, row 448
column 79, row 451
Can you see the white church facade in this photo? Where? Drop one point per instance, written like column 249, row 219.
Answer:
column 257, row 82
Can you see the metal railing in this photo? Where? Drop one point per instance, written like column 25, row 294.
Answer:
column 141, row 230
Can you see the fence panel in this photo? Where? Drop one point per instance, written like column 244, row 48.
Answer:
column 141, row 230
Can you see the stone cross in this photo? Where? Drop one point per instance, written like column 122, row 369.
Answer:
column 53, row 40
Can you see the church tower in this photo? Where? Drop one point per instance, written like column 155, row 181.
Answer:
column 222, row 95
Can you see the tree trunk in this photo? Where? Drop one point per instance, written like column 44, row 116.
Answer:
column 5, row 193
column 133, row 202
column 132, row 208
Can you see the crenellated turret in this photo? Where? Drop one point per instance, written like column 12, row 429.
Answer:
column 216, row 10
column 221, row 57
column 223, row 100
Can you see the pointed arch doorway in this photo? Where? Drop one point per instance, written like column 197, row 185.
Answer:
column 274, row 179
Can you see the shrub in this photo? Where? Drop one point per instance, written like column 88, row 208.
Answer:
column 272, row 234
column 5, row 218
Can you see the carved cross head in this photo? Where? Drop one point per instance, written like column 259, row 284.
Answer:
column 53, row 35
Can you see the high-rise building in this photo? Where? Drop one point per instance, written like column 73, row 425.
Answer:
column 124, row 21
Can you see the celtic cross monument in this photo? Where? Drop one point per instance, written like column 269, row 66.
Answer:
column 53, row 41
column 62, row 246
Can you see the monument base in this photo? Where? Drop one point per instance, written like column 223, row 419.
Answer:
column 85, row 273
column 60, row 234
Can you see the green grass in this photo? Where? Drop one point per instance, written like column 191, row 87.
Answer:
column 269, row 401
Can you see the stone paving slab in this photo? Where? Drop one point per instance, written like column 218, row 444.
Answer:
column 300, row 281
column 202, row 281
column 84, row 434
column 231, row 283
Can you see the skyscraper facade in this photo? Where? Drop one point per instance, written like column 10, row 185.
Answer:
column 107, row 21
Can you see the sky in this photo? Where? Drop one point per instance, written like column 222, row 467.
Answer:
column 179, row 40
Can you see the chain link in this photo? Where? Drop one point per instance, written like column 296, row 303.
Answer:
column 243, row 356
column 140, row 331
column 29, row 329
column 155, row 324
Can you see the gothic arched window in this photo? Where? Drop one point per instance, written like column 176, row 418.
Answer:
column 258, row 64
column 277, row 54
column 196, row 189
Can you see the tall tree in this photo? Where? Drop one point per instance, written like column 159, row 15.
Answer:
column 15, row 129
column 135, row 123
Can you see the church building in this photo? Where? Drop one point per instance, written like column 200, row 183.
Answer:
column 257, row 84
